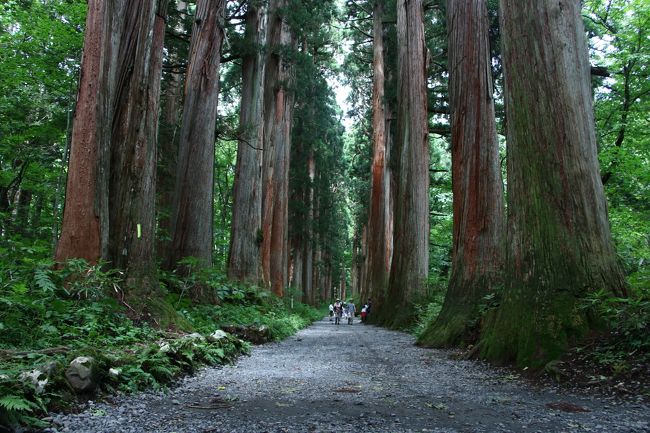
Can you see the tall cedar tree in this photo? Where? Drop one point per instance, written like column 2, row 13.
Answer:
column 379, row 229
column 478, row 234
column 80, row 232
column 193, row 216
column 110, row 196
column 409, row 269
column 278, row 106
column 559, row 243
column 244, row 255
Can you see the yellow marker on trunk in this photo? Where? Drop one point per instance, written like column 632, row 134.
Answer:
column 139, row 231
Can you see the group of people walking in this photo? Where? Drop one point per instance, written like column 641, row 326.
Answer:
column 346, row 311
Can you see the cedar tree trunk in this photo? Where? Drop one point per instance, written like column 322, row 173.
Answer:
column 409, row 270
column 193, row 216
column 80, row 231
column 244, row 255
column 559, row 243
column 278, row 105
column 478, row 236
column 131, row 191
column 378, row 266
column 111, row 183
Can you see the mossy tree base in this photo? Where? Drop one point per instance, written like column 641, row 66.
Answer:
column 532, row 332
column 453, row 329
column 393, row 317
column 460, row 318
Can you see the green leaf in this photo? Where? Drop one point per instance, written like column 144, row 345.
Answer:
column 16, row 403
column 20, row 288
column 43, row 281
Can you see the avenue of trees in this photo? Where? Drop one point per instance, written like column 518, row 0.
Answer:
column 517, row 91
column 495, row 169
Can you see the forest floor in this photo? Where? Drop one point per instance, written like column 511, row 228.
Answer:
column 357, row 378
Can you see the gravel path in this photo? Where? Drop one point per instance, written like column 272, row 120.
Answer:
column 355, row 378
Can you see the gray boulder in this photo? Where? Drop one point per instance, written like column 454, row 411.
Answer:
column 82, row 375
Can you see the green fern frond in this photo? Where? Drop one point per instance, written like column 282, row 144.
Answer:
column 16, row 403
column 43, row 280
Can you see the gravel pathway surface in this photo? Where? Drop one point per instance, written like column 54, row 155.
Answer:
column 356, row 378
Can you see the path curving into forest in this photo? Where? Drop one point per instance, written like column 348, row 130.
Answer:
column 356, row 378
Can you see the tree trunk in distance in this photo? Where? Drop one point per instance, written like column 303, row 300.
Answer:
column 193, row 216
column 559, row 244
column 363, row 265
column 132, row 179
column 478, row 235
column 354, row 271
column 409, row 270
column 168, row 135
column 308, row 240
column 21, row 220
column 37, row 212
column 244, row 254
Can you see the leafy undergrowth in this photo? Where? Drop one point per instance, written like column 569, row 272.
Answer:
column 50, row 317
column 428, row 310
column 618, row 361
column 600, row 366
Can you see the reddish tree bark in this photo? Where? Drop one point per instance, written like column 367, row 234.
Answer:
column 378, row 235
column 478, row 236
column 111, row 182
column 364, row 293
column 278, row 105
column 193, row 216
column 80, row 231
column 410, row 265
column 559, row 243
column 244, row 255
